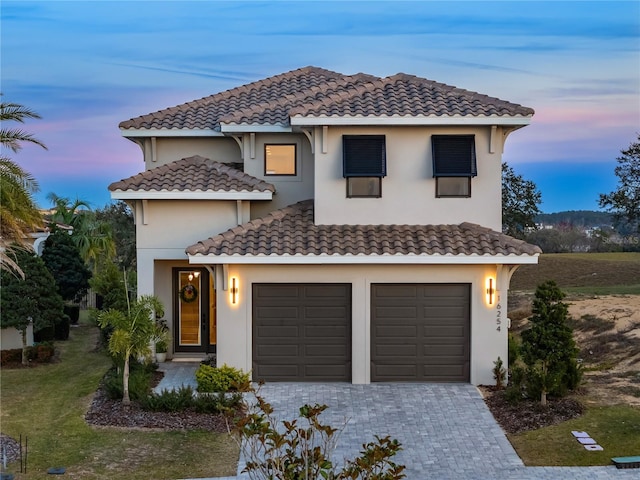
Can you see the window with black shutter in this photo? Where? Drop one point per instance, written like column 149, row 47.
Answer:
column 454, row 163
column 364, row 164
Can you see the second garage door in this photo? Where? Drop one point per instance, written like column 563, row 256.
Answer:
column 302, row 332
column 420, row 332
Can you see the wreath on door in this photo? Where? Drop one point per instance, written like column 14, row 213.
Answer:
column 188, row 293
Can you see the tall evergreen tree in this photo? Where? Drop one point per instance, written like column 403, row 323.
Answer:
column 548, row 348
column 624, row 202
column 62, row 258
column 33, row 298
column 520, row 200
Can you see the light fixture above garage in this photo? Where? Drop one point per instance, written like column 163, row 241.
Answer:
column 234, row 290
column 491, row 291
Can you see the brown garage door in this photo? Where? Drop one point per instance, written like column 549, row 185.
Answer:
column 302, row 332
column 420, row 332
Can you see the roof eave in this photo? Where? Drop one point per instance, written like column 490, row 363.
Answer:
column 364, row 259
column 189, row 195
column 166, row 132
column 254, row 128
column 519, row 121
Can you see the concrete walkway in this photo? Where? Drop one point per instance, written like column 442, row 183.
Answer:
column 446, row 430
column 176, row 375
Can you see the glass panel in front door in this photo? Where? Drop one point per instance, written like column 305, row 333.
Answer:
column 189, row 286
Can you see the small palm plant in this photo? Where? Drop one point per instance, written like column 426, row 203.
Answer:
column 133, row 332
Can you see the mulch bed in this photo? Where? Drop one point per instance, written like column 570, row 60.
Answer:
column 105, row 412
column 528, row 414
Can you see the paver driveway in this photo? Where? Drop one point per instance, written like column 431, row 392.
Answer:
column 446, row 430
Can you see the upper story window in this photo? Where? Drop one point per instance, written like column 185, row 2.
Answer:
column 280, row 160
column 364, row 164
column 454, row 163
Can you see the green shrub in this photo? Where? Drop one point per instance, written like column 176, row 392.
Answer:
column 42, row 353
column 169, row 400
column 140, row 377
column 185, row 398
column 220, row 379
column 303, row 447
column 514, row 349
column 515, row 391
column 499, row 373
column 73, row 311
column 217, row 402
column 62, row 328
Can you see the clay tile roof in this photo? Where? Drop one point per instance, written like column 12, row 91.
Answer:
column 193, row 174
column 313, row 91
column 206, row 112
column 408, row 95
column 291, row 231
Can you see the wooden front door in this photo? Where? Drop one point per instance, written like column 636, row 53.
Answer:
column 194, row 316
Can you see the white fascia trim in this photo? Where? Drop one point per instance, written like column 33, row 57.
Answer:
column 190, row 195
column 166, row 132
column 299, row 120
column 252, row 128
column 365, row 259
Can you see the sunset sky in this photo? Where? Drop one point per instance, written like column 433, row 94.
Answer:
column 84, row 66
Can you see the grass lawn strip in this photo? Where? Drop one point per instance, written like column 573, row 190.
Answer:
column 615, row 428
column 47, row 403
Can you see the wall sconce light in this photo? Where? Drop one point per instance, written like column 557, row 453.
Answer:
column 234, row 290
column 491, row 291
column 190, row 277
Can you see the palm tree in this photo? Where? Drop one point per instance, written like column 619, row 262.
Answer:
column 18, row 211
column 133, row 332
column 93, row 237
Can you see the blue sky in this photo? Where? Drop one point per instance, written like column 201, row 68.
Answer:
column 84, row 66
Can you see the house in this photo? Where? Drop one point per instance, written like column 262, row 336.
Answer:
column 315, row 226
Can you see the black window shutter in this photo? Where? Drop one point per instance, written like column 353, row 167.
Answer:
column 454, row 155
column 364, row 156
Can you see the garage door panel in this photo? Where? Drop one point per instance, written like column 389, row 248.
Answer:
column 278, row 331
column 398, row 291
column 400, row 372
column 278, row 349
column 397, row 312
column 320, row 331
column 444, row 331
column 396, row 350
column 275, row 291
column 444, row 311
column 444, row 350
column 326, row 332
column 326, row 351
column 327, row 314
column 443, row 371
column 279, row 313
column 325, row 372
column 283, row 372
column 337, row 292
column 431, row 345
column 396, row 331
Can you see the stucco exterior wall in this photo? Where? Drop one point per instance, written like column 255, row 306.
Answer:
column 289, row 189
column 11, row 338
column 176, row 224
column 167, row 150
column 408, row 190
column 234, row 321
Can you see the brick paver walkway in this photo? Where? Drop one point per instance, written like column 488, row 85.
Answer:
column 446, row 430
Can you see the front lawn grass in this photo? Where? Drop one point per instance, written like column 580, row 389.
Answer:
column 615, row 428
column 47, row 404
